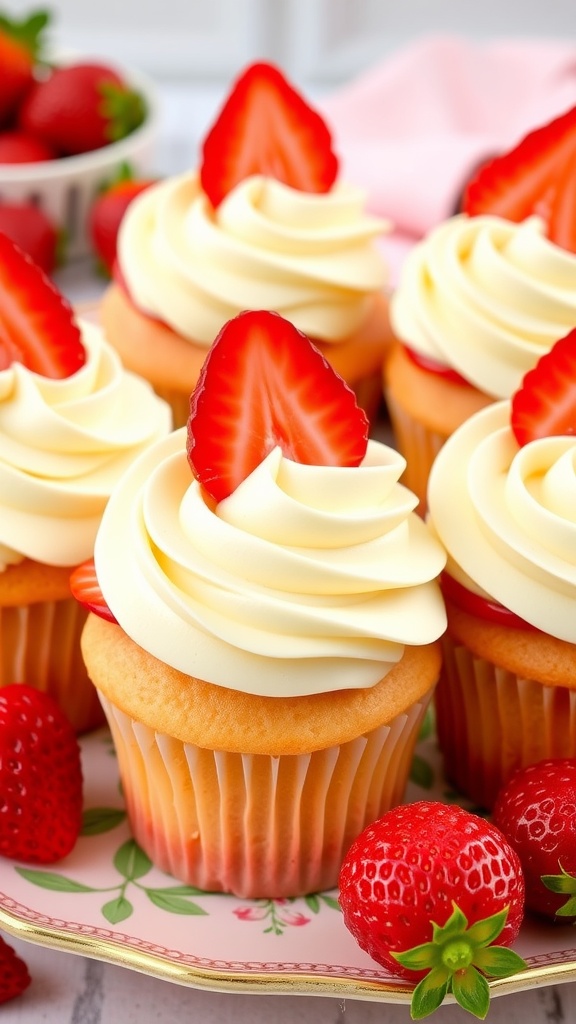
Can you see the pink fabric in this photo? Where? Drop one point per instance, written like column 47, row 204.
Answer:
column 412, row 129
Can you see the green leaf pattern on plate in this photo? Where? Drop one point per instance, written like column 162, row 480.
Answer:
column 132, row 864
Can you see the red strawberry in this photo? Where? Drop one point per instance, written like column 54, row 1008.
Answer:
column 426, row 891
column 86, row 589
column 545, row 404
column 80, row 108
column 266, row 127
column 37, row 326
column 107, row 212
column 18, row 147
column 536, row 177
column 40, row 777
column 536, row 810
column 14, row 976
column 265, row 384
column 33, row 231
column 19, row 46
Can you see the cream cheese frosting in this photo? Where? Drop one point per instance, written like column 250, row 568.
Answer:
column 63, row 445
column 310, row 256
column 486, row 297
column 305, row 579
column 507, row 517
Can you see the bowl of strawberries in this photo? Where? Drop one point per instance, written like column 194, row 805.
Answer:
column 68, row 124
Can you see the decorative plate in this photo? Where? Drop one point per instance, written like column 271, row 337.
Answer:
column 107, row 901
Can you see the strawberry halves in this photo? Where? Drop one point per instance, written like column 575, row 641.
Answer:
column 266, row 127
column 545, row 404
column 264, row 384
column 538, row 176
column 37, row 325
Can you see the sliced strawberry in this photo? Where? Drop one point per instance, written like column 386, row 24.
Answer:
column 37, row 325
column 265, row 384
column 266, row 127
column 481, row 607
column 545, row 404
column 86, row 589
column 538, row 176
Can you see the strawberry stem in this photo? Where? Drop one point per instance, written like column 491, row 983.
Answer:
column 27, row 31
column 458, row 958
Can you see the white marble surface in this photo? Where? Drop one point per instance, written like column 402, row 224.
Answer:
column 71, row 989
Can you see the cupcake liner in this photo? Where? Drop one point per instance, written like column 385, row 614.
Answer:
column 40, row 645
column 257, row 825
column 419, row 446
column 490, row 721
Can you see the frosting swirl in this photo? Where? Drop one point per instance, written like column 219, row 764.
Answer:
column 311, row 257
column 507, row 517
column 486, row 297
column 306, row 579
column 63, row 445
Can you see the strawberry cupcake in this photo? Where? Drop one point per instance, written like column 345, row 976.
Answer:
column 264, row 222
column 483, row 296
column 71, row 420
column 501, row 501
column 275, row 613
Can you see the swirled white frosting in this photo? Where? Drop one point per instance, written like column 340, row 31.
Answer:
column 507, row 518
column 486, row 297
column 311, row 257
column 63, row 445
column 305, row 579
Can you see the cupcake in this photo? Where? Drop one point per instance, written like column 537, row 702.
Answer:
column 276, row 613
column 70, row 422
column 501, row 500
column 483, row 296
column 263, row 223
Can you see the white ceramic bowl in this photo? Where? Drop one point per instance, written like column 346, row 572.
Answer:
column 66, row 188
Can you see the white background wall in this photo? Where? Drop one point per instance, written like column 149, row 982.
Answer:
column 318, row 42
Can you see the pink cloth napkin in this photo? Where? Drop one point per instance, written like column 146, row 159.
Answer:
column 411, row 129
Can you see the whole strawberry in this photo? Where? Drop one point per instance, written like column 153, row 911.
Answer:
column 81, row 107
column 536, row 810
column 18, row 147
column 19, row 46
column 31, row 229
column 40, row 777
column 14, row 976
column 107, row 212
column 426, row 890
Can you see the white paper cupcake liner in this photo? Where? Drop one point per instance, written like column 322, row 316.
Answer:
column 40, row 645
column 255, row 825
column 491, row 721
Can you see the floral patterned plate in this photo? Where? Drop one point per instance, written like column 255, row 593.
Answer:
column 106, row 901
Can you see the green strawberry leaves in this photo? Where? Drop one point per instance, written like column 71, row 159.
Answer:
column 458, row 958
column 566, row 885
